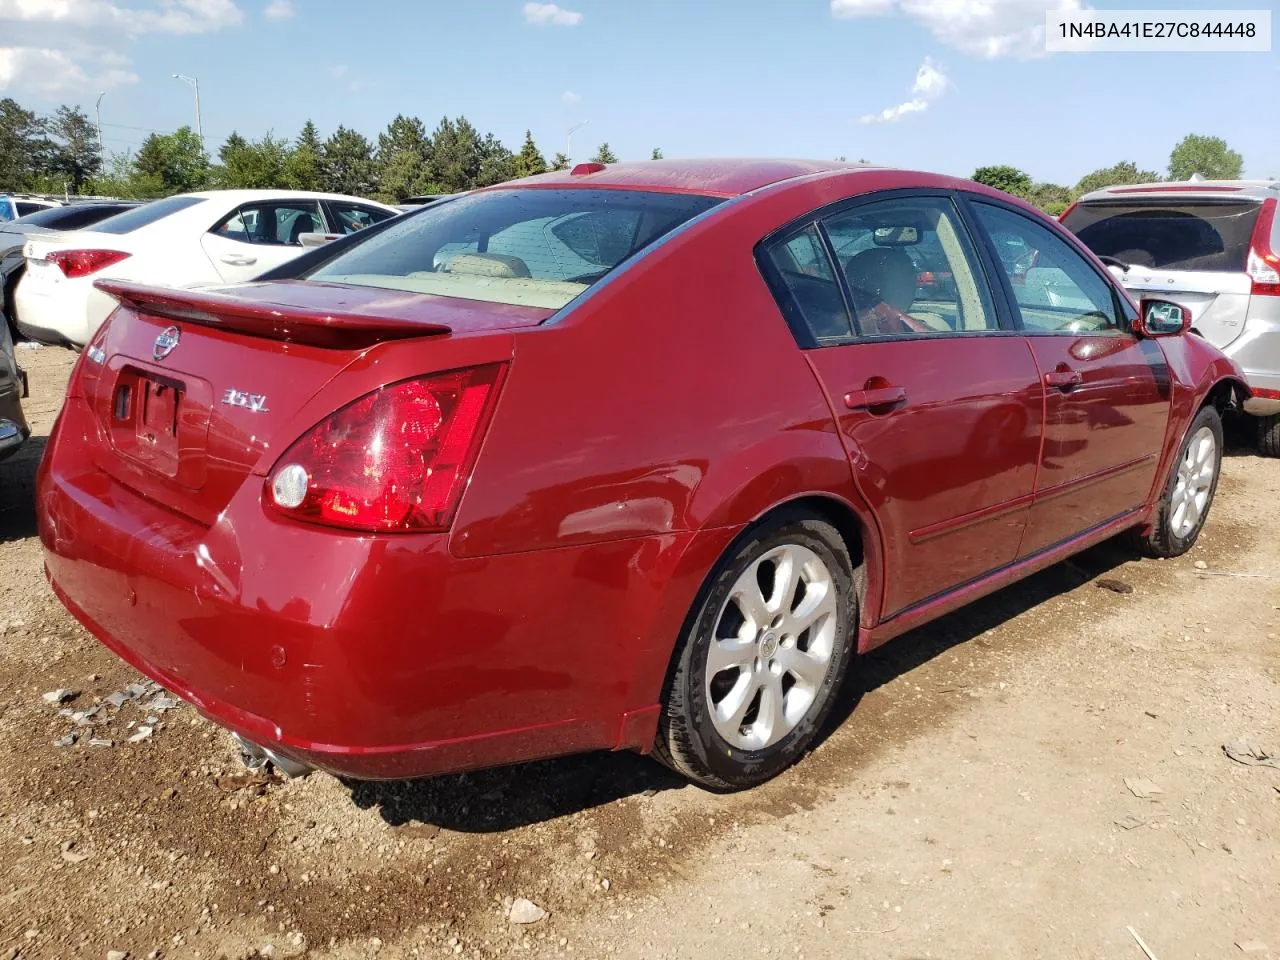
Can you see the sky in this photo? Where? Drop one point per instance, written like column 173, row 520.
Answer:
column 941, row 85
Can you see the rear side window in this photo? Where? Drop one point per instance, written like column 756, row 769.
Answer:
column 350, row 217
column 146, row 214
column 1185, row 235
column 526, row 247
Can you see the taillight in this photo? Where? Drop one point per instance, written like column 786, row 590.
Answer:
column 1263, row 264
column 396, row 460
column 924, row 278
column 1067, row 212
column 81, row 263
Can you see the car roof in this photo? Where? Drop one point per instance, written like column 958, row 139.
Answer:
column 1188, row 190
column 244, row 196
column 720, row 178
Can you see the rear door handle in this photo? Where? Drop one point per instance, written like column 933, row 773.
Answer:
column 238, row 260
column 1063, row 379
column 875, row 397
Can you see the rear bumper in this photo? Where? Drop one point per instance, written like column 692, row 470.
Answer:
column 71, row 315
column 1257, row 351
column 372, row 657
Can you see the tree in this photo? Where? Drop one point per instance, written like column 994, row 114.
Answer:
column 304, row 167
column 657, row 154
column 404, row 159
column 176, row 161
column 348, row 164
column 75, row 156
column 20, row 136
column 1006, row 178
column 252, row 166
column 604, row 155
column 529, row 161
column 560, row 162
column 1208, row 156
column 1050, row 195
column 497, row 163
column 456, row 155
column 1123, row 172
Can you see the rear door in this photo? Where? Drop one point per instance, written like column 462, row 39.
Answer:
column 1190, row 250
column 1107, row 393
column 941, row 419
column 259, row 236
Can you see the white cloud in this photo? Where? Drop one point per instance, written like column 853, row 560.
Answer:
column 54, row 73
column 279, row 10
column 982, row 28
column 156, row 16
column 548, row 13
column 930, row 84
column 570, row 97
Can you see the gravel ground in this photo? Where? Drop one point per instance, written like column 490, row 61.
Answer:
column 1041, row 775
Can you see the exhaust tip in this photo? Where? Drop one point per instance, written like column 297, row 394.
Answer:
column 256, row 758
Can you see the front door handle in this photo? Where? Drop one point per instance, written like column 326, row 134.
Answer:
column 1063, row 379
column 238, row 260
column 875, row 397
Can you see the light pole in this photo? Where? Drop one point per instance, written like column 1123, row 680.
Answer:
column 97, row 112
column 568, row 140
column 195, row 85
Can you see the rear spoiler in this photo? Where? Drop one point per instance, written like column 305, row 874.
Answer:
column 265, row 318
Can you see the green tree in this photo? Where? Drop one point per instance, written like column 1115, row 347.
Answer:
column 604, row 155
column 404, row 159
column 529, row 161
column 497, row 163
column 176, row 161
column 456, row 152
column 1208, row 156
column 560, row 162
column 349, row 166
column 657, row 154
column 1006, row 178
column 120, row 178
column 1125, row 171
column 75, row 146
column 21, row 139
column 252, row 166
column 304, row 167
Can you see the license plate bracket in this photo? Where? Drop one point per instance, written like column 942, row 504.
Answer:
column 146, row 414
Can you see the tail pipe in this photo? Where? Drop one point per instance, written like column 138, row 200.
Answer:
column 256, row 757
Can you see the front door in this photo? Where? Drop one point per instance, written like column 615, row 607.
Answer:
column 1107, row 392
column 260, row 236
column 939, row 407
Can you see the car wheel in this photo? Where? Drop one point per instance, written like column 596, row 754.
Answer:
column 1269, row 435
column 1184, row 507
column 762, row 656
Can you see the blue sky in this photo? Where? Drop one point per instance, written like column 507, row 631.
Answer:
column 942, row 85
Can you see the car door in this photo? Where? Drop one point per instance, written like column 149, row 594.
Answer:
column 938, row 400
column 255, row 237
column 346, row 217
column 1107, row 392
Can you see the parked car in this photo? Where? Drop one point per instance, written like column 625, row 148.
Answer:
column 13, row 237
column 219, row 236
column 1214, row 247
column 13, row 206
column 13, row 389
column 390, row 515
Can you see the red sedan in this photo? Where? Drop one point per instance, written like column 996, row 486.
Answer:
column 636, row 457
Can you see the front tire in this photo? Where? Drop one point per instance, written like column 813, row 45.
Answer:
column 759, row 663
column 1184, row 507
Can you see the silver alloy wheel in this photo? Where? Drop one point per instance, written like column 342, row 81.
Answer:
column 1194, row 481
column 771, row 647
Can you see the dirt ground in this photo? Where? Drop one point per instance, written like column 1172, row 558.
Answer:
column 1041, row 775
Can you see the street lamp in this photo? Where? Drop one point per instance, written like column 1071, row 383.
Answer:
column 97, row 112
column 195, row 85
column 568, row 140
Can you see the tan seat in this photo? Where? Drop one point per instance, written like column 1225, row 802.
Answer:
column 489, row 265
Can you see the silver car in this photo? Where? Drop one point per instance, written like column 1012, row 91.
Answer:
column 1213, row 246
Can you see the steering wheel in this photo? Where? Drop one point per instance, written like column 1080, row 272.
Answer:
column 1078, row 325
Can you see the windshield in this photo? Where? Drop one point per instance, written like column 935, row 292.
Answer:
column 529, row 247
column 146, row 214
column 1184, row 235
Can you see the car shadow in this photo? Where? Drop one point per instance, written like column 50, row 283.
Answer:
column 508, row 797
column 18, row 491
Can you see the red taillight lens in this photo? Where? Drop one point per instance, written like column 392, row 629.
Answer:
column 1263, row 265
column 924, row 278
column 81, row 263
column 395, row 460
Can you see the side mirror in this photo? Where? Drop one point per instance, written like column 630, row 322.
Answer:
column 1160, row 318
column 316, row 239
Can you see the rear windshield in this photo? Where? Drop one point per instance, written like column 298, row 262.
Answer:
column 531, row 247
column 146, row 214
column 1189, row 235
column 73, row 216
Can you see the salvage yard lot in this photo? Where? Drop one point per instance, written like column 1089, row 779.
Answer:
column 1030, row 777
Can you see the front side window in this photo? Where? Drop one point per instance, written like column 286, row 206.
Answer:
column 532, row 247
column 1055, row 287
column 276, row 223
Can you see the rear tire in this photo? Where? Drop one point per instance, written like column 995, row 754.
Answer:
column 762, row 655
column 1188, row 495
column 1269, row 435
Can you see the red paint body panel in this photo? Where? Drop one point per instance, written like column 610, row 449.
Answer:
column 635, row 436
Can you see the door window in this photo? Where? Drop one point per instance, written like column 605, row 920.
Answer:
column 1056, row 288
column 275, row 223
column 350, row 217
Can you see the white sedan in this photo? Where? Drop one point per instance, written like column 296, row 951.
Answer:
column 219, row 236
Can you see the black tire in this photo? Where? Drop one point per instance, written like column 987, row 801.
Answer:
column 1269, row 435
column 1162, row 542
column 687, row 740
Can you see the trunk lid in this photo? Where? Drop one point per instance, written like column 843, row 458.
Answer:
column 1219, row 302
column 191, row 389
